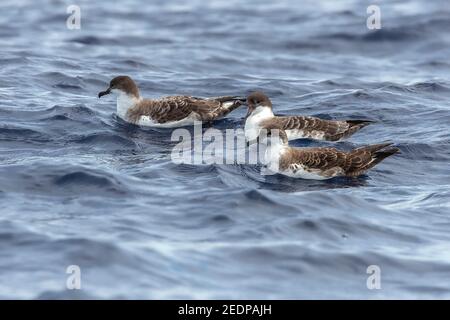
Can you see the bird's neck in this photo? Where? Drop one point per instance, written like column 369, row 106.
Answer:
column 273, row 154
column 253, row 121
column 260, row 113
column 275, row 149
column 124, row 103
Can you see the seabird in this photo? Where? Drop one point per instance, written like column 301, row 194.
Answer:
column 320, row 163
column 260, row 116
column 173, row 111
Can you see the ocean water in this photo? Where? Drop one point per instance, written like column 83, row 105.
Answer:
column 80, row 187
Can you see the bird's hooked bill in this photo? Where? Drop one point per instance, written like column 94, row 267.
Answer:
column 104, row 93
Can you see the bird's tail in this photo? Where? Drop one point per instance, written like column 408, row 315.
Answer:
column 225, row 99
column 358, row 123
column 379, row 156
column 372, row 155
column 373, row 147
column 228, row 104
column 355, row 125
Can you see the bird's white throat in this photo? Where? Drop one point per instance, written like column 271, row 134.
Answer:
column 124, row 103
column 252, row 124
column 272, row 156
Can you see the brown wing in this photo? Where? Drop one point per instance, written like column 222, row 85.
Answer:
column 330, row 162
column 362, row 159
column 171, row 108
column 179, row 107
column 332, row 129
column 319, row 160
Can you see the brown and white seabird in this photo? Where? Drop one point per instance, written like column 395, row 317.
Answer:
column 260, row 116
column 172, row 111
column 320, row 163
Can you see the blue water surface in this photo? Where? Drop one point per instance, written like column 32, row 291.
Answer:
column 80, row 187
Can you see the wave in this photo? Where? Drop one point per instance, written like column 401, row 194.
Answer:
column 60, row 180
column 105, row 140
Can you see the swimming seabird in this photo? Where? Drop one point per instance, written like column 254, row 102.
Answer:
column 320, row 163
column 172, row 111
column 260, row 116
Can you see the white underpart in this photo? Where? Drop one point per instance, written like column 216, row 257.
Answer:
column 253, row 123
column 298, row 171
column 228, row 104
column 294, row 134
column 274, row 152
column 146, row 121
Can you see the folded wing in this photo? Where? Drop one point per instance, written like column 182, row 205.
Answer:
column 315, row 128
column 330, row 162
column 176, row 108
